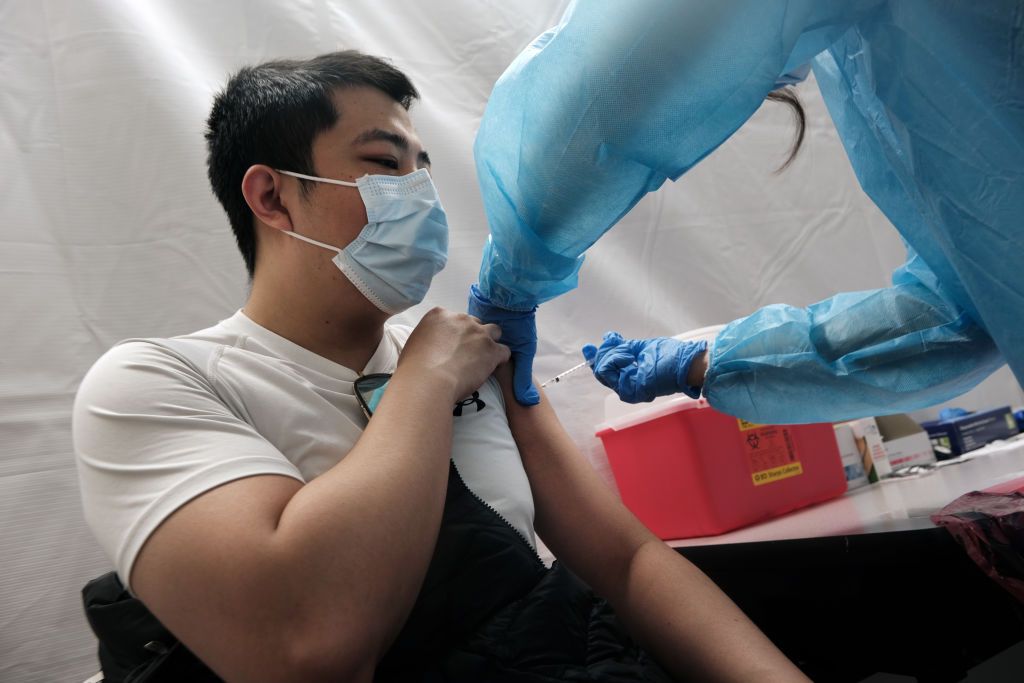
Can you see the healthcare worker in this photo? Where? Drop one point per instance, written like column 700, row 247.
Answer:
column 928, row 98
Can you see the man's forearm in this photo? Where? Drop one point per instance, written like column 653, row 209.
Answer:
column 691, row 626
column 670, row 607
column 385, row 498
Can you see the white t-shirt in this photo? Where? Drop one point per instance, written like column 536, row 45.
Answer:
column 157, row 422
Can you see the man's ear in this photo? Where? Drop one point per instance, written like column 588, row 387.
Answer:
column 263, row 189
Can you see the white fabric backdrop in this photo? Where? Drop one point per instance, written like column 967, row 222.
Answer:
column 109, row 231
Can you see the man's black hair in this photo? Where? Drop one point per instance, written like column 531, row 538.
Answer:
column 271, row 113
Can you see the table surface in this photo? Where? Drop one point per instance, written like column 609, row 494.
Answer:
column 897, row 504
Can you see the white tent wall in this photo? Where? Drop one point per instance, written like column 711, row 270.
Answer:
column 109, row 231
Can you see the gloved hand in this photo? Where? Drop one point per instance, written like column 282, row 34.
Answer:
column 639, row 370
column 519, row 333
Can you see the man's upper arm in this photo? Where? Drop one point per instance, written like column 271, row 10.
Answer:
column 184, row 496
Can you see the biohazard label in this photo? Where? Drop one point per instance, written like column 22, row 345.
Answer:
column 770, row 451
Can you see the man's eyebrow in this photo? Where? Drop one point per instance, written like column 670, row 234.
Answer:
column 380, row 135
column 396, row 139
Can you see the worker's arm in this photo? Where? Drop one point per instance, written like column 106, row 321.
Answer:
column 853, row 355
column 897, row 349
column 267, row 579
column 669, row 606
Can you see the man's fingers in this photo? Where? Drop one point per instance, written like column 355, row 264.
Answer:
column 493, row 331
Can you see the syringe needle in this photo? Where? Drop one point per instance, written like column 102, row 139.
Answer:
column 560, row 376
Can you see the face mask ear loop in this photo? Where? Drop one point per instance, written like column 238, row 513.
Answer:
column 293, row 174
column 311, row 240
column 319, row 180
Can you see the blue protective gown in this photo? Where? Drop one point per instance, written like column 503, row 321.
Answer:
column 928, row 97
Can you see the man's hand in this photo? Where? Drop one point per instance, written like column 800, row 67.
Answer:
column 519, row 333
column 457, row 348
column 640, row 370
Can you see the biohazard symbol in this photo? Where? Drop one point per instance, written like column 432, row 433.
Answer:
column 754, row 440
column 466, row 402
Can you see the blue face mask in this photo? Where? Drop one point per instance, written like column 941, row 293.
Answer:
column 403, row 245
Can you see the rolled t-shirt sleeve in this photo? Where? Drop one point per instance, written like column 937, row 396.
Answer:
column 150, row 434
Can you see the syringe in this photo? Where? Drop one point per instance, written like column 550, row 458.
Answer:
column 560, row 376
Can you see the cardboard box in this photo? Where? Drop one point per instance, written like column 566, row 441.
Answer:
column 954, row 437
column 853, row 464
column 906, row 443
column 868, row 446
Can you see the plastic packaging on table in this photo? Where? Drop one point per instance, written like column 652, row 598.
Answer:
column 685, row 469
column 989, row 525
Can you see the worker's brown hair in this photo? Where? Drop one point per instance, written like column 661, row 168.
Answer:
column 786, row 95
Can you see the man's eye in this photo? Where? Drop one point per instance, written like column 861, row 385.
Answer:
column 384, row 161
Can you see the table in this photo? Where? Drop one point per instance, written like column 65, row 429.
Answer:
column 866, row 582
column 898, row 504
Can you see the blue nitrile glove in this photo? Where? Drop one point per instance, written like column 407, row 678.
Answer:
column 947, row 414
column 640, row 370
column 518, row 333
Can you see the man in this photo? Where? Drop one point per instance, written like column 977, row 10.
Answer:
column 279, row 532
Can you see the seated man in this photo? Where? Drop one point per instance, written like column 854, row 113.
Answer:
column 286, row 529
